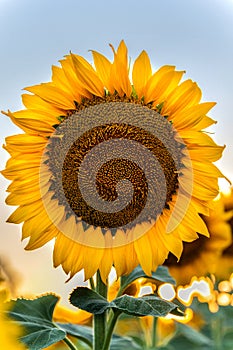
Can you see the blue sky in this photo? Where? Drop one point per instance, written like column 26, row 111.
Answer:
column 194, row 35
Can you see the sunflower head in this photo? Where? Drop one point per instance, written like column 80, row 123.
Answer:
column 115, row 167
column 203, row 255
column 225, row 267
column 9, row 331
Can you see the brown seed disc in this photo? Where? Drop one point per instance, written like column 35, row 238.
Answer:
column 120, row 152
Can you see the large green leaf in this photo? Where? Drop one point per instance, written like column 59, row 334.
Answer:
column 127, row 343
column 182, row 343
column 144, row 306
column 187, row 337
column 228, row 340
column 83, row 333
column 36, row 318
column 161, row 274
column 89, row 300
column 192, row 335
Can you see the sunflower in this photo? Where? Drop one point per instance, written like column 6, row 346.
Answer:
column 115, row 169
column 225, row 267
column 9, row 330
column 203, row 256
column 9, row 277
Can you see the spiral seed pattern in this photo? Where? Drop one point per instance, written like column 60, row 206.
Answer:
column 114, row 165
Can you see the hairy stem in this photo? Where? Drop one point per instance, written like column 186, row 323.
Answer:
column 100, row 320
column 111, row 325
column 69, row 343
column 154, row 331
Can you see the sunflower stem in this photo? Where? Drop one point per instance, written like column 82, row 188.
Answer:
column 111, row 325
column 69, row 343
column 92, row 284
column 100, row 320
column 154, row 333
column 216, row 328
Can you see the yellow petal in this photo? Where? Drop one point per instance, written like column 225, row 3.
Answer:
column 170, row 240
column 144, row 254
column 60, row 80
column 26, row 212
column 20, row 174
column 38, row 115
column 107, row 260
column 53, row 95
column 103, row 69
column 172, row 84
column 184, row 96
column 88, row 77
column 159, row 79
column 192, row 219
column 41, row 238
column 119, row 252
column 35, row 227
column 119, row 75
column 31, row 126
column 197, row 138
column 141, row 73
column 35, row 102
column 62, row 249
column 211, row 154
column 92, row 254
column 71, row 75
column 192, row 116
column 24, row 198
column 204, row 123
column 25, row 143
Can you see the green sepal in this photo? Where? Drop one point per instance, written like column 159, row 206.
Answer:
column 159, row 107
column 61, row 118
column 35, row 316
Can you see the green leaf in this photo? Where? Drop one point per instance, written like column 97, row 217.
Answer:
column 182, row 343
column 35, row 316
column 83, row 333
column 161, row 274
column 228, row 340
column 144, row 306
column 89, row 300
column 128, row 343
column 192, row 335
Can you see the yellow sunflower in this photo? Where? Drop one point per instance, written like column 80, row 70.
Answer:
column 225, row 267
column 203, row 255
column 9, row 330
column 115, row 169
column 9, row 277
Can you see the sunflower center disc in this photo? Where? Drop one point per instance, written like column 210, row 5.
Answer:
column 114, row 165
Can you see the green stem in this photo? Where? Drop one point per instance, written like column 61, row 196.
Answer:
column 216, row 327
column 154, row 331
column 92, row 283
column 100, row 320
column 111, row 325
column 70, row 344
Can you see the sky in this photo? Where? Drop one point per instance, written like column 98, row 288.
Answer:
column 194, row 35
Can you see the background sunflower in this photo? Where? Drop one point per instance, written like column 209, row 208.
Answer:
column 225, row 266
column 204, row 256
